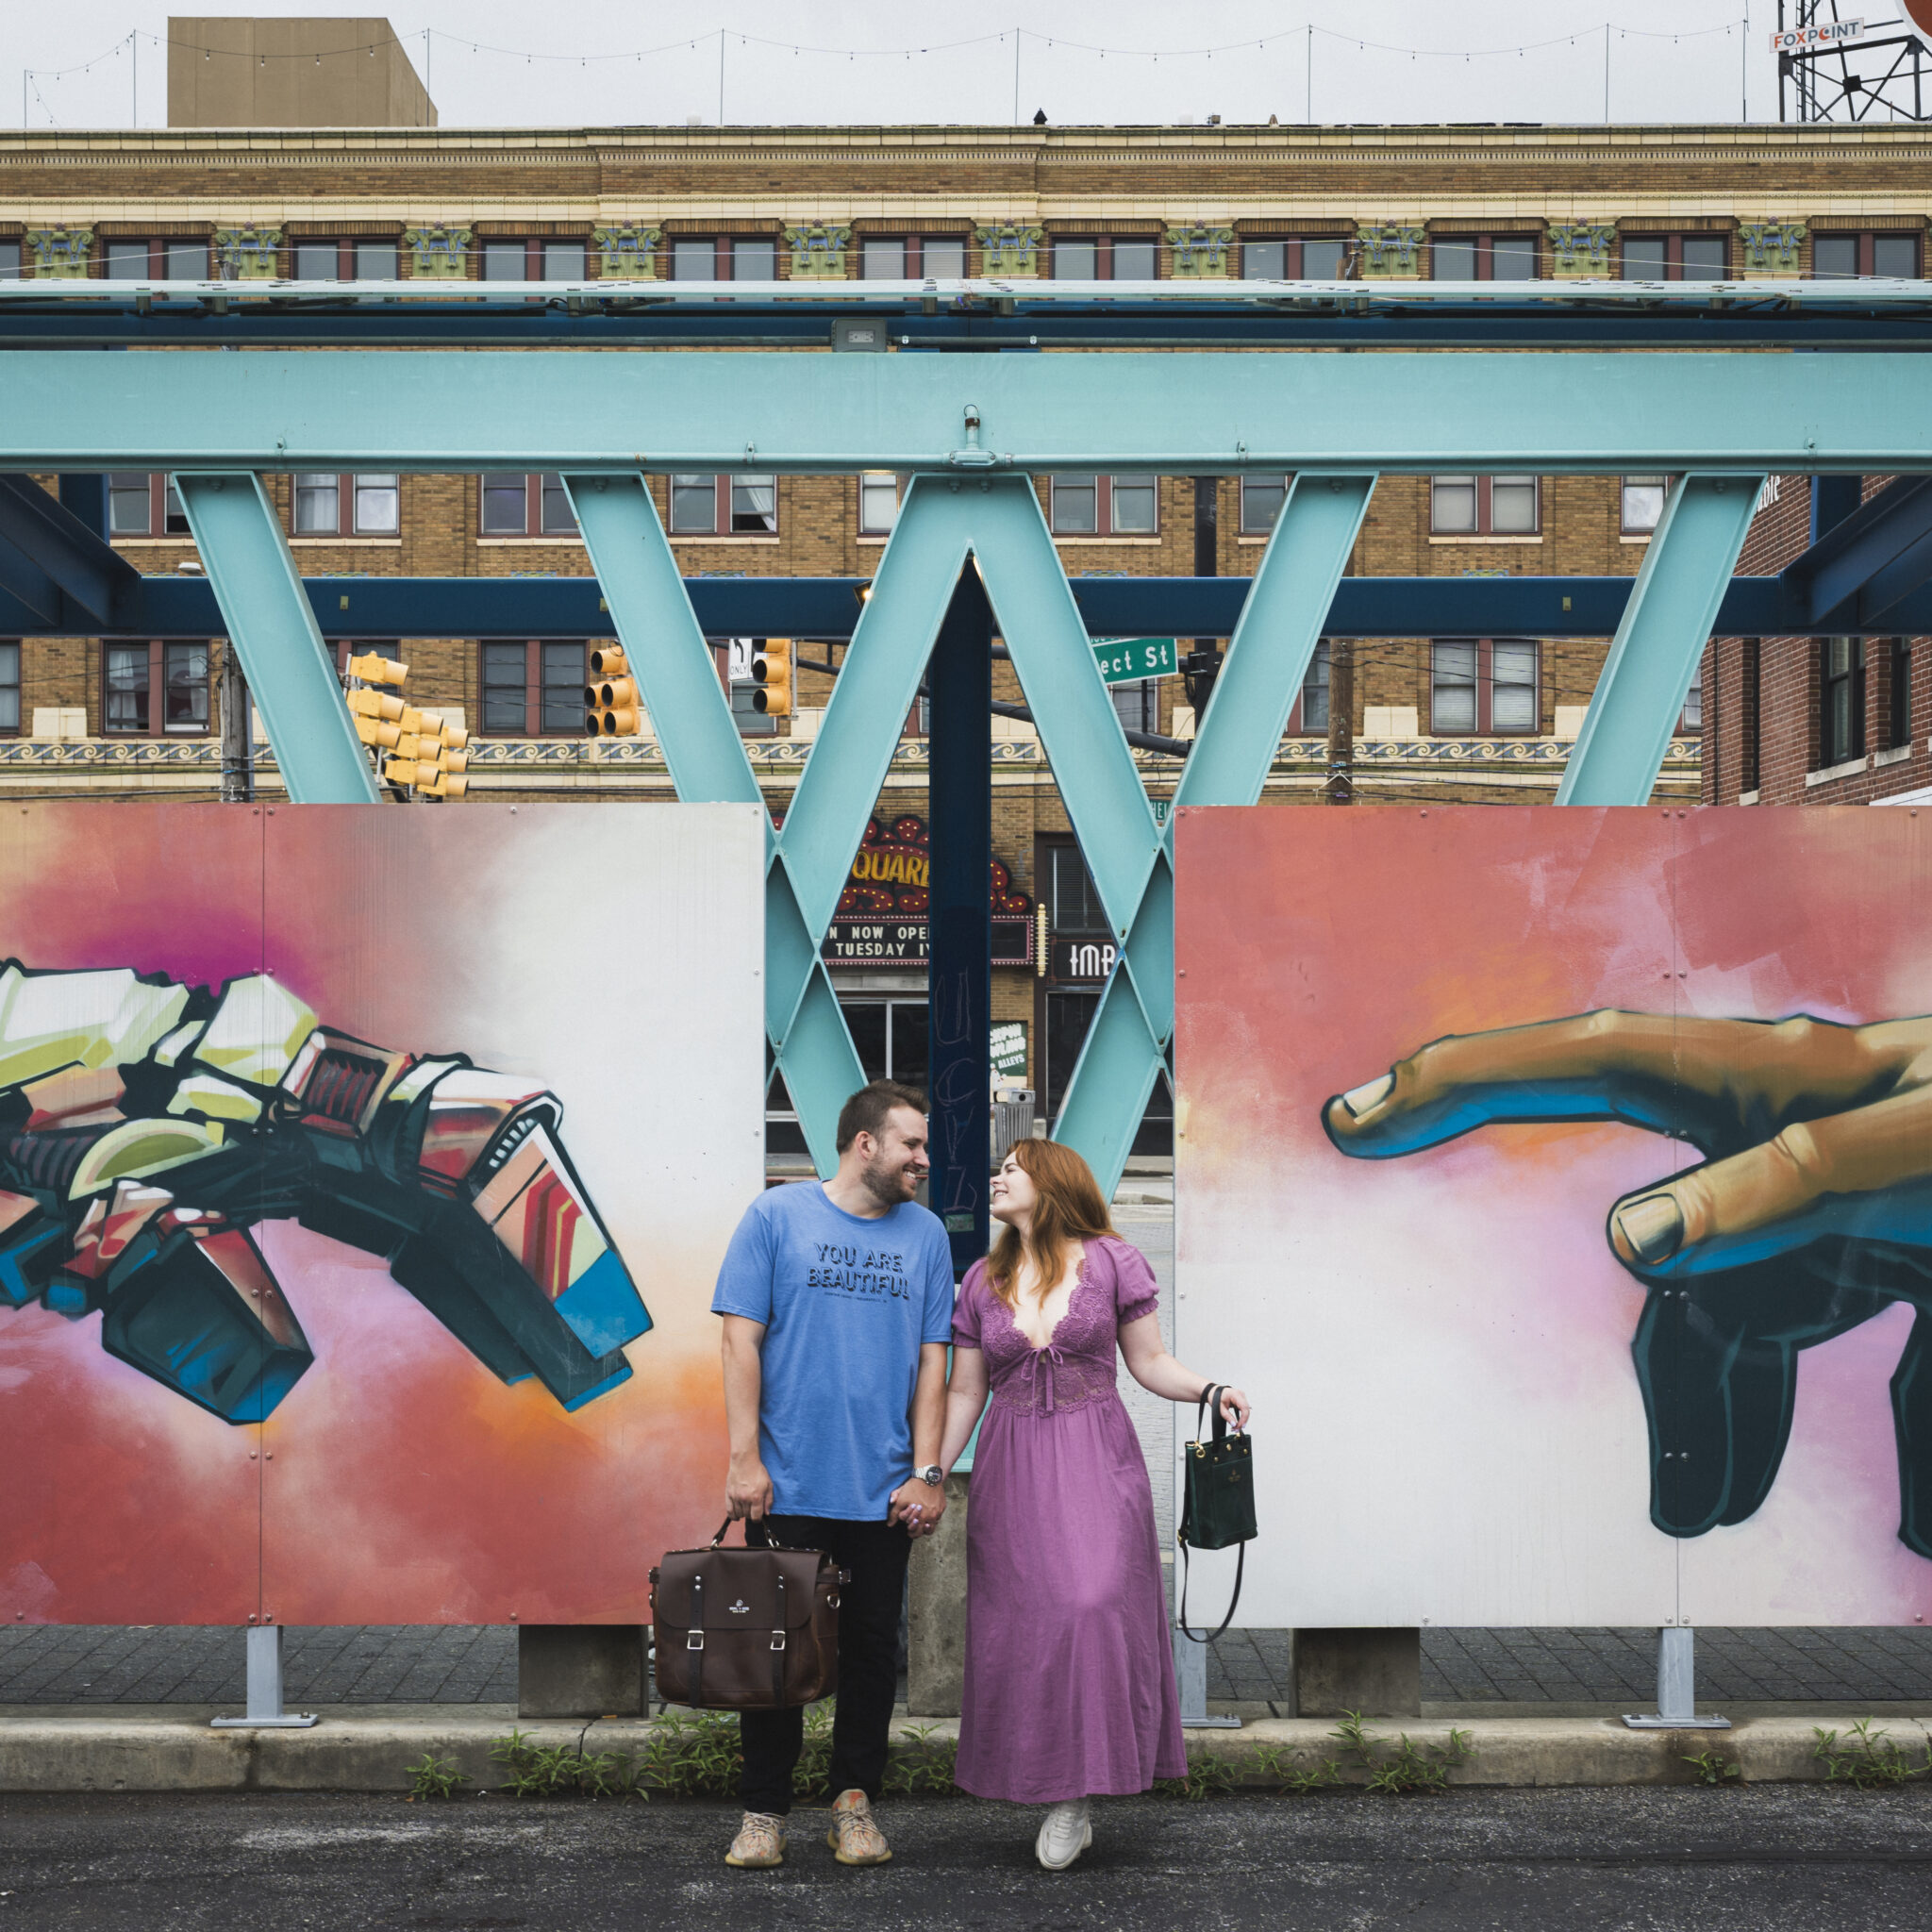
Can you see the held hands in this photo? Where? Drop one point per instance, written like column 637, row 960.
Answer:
column 747, row 1491
column 917, row 1507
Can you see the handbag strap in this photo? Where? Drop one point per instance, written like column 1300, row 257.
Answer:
column 1210, row 1403
column 1239, row 1564
column 697, row 1628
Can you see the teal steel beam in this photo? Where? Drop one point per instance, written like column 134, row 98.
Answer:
column 677, row 677
column 1640, row 692
column 1194, row 415
column 266, row 611
column 1235, row 744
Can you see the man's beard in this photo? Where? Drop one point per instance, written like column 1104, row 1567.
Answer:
column 882, row 1183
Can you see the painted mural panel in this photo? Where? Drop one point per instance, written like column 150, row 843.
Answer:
column 1562, row 1181
column 367, row 1175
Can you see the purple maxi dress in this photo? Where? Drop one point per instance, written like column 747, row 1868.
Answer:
column 1070, row 1689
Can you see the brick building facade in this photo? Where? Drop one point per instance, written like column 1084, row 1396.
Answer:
column 1455, row 720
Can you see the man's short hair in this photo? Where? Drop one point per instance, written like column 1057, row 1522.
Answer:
column 866, row 1112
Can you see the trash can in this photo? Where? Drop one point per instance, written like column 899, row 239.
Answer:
column 1012, row 1118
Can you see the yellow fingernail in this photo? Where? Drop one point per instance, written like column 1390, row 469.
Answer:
column 1366, row 1098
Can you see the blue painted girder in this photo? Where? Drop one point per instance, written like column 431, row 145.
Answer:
column 292, row 675
column 1861, row 574
column 1193, row 415
column 1640, row 690
column 1235, row 743
column 575, row 606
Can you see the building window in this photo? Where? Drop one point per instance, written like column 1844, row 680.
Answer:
column 534, row 261
column 1690, row 719
column 1261, row 501
column 9, row 685
column 1677, row 258
column 1484, row 687
column 140, row 503
column 1291, row 259
column 1841, row 257
column 1841, row 700
column 879, row 503
column 1484, row 506
column 912, row 258
column 724, row 506
column 9, row 261
column 1483, row 258
column 1137, row 704
column 152, row 261
column 516, row 503
column 327, row 505
column 132, row 676
column 1315, row 698
column 1643, row 504
column 1106, row 505
column 724, row 259
column 328, row 259
column 890, row 1036
column 1104, row 258
column 1898, row 695
column 534, row 689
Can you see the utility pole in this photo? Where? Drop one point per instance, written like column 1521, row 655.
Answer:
column 237, row 731
column 1339, row 787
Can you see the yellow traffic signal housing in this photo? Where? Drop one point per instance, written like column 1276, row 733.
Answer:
column 614, row 708
column 372, row 668
column 770, row 673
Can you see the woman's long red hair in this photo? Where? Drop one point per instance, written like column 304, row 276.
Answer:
column 1070, row 1208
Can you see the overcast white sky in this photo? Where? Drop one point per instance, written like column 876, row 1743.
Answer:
column 1701, row 76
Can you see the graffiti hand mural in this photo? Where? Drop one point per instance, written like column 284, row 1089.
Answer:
column 1812, row 1213
column 145, row 1126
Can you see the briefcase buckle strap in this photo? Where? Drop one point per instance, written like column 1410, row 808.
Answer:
column 694, row 1640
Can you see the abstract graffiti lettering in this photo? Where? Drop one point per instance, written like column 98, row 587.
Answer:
column 145, row 1126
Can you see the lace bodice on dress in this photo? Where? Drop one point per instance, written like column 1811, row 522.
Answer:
column 1076, row 1366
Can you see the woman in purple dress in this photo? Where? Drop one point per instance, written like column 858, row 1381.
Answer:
column 1069, row 1691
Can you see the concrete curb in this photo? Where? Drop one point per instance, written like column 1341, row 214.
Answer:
column 353, row 1754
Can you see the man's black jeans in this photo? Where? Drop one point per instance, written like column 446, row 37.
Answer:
column 875, row 1553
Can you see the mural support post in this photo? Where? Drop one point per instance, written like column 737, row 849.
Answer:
column 1676, row 1685
column 265, row 1712
column 959, row 917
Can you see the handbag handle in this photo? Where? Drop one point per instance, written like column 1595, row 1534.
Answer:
column 1210, row 1402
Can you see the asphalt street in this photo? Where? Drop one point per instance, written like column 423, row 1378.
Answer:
column 1758, row 1860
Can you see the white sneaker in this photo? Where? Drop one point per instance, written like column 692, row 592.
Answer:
column 1065, row 1835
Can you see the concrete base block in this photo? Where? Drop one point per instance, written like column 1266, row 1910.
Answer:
column 1378, row 1672
column 581, row 1669
column 936, row 1618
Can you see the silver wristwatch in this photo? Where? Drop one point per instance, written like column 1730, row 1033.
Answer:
column 932, row 1475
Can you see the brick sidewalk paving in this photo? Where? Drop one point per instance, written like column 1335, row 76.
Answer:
column 462, row 1664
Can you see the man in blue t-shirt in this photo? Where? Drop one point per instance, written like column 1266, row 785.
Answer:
column 838, row 1305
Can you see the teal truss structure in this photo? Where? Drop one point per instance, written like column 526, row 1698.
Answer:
column 970, row 555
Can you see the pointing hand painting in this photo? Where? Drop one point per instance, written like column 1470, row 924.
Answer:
column 1810, row 1213
column 145, row 1128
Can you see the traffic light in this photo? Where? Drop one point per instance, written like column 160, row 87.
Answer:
column 423, row 754
column 770, row 673
column 613, row 707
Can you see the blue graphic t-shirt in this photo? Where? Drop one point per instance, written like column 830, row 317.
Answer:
column 846, row 1303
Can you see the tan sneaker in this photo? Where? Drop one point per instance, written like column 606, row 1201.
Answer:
column 854, row 1837
column 759, row 1843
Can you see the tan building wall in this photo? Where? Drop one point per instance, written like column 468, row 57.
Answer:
column 344, row 72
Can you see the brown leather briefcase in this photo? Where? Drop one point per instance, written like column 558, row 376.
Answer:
column 749, row 1629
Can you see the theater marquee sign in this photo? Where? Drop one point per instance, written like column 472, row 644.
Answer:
column 881, row 915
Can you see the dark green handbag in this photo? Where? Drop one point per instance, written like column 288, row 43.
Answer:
column 1217, row 1500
